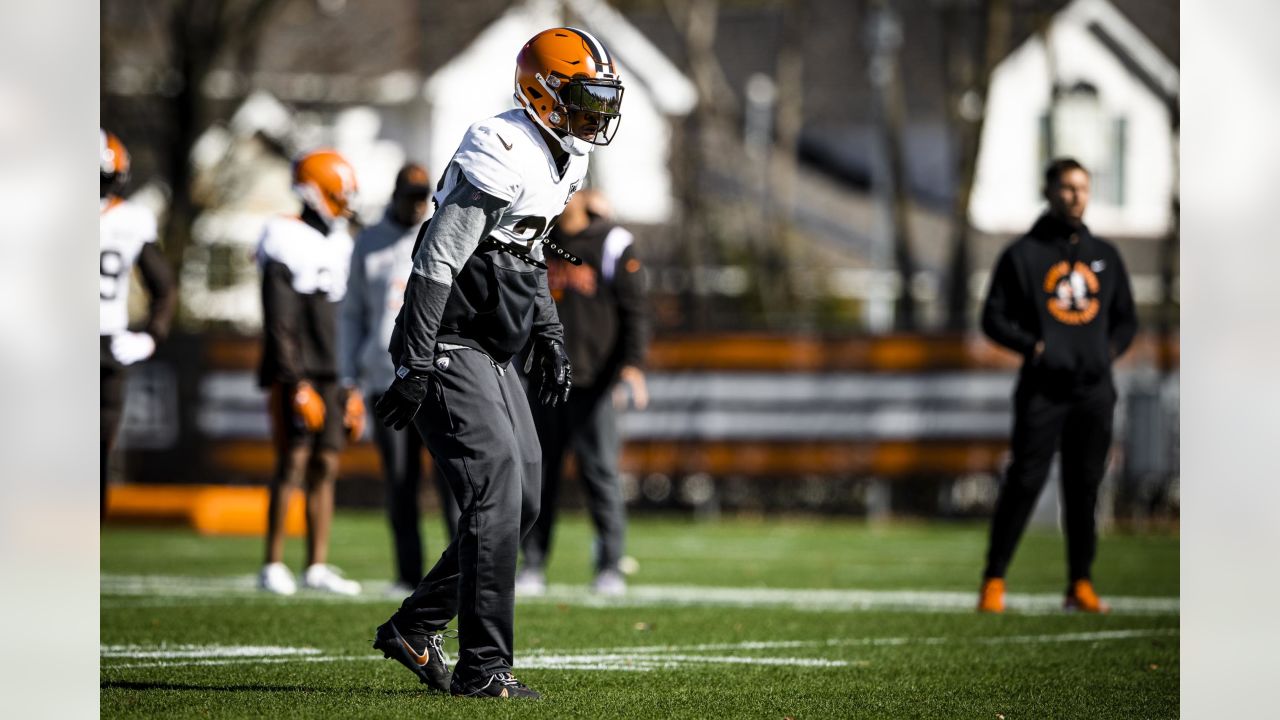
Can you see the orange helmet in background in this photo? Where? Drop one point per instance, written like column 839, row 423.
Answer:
column 568, row 84
column 326, row 182
column 113, row 162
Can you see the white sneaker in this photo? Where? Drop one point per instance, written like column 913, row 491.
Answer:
column 399, row 591
column 325, row 578
column 609, row 583
column 531, row 583
column 276, row 578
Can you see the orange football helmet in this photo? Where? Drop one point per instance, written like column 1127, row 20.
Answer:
column 568, row 83
column 326, row 182
column 113, row 162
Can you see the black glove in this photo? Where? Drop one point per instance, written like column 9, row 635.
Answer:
column 402, row 400
column 555, row 375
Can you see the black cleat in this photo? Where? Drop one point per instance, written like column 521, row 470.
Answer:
column 431, row 665
column 497, row 685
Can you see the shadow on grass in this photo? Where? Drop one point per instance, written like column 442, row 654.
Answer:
column 135, row 685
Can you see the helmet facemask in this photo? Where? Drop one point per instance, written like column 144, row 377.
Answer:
column 592, row 109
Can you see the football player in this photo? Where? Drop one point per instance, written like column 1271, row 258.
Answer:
column 476, row 298
column 380, row 267
column 304, row 262
column 126, row 239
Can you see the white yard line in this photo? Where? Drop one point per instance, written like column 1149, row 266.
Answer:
column 626, row 659
column 169, row 652
column 174, row 589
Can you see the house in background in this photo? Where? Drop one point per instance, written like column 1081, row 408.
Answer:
column 1116, row 67
column 1092, row 87
column 382, row 82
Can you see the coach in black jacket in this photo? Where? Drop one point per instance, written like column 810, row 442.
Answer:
column 1060, row 297
column 601, row 304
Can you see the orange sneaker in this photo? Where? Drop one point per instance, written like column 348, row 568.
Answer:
column 991, row 596
column 1082, row 597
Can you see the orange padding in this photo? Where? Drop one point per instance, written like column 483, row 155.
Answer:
column 207, row 509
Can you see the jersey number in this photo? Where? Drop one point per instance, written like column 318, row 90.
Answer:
column 536, row 226
column 111, row 265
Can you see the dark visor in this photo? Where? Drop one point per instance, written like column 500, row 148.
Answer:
column 592, row 97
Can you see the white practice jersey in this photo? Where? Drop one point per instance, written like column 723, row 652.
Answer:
column 506, row 157
column 123, row 229
column 318, row 263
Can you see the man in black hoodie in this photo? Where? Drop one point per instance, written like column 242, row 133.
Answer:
column 1059, row 297
column 602, row 306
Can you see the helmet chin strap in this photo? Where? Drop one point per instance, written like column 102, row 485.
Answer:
column 575, row 146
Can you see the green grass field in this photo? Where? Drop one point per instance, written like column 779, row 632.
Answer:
column 771, row 618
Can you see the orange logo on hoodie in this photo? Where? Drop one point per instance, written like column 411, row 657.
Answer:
column 1073, row 294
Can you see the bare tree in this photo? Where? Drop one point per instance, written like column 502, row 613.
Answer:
column 200, row 34
column 789, row 111
column 695, row 20
column 885, row 40
column 969, row 79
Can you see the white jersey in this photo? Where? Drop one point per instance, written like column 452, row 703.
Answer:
column 506, row 157
column 318, row 263
column 123, row 229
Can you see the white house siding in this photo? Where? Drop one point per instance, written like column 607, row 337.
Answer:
column 1007, row 189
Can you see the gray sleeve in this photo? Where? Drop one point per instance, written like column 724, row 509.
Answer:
column 467, row 216
column 546, row 321
column 353, row 323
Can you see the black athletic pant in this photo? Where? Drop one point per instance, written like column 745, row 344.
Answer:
column 477, row 424
column 401, row 454
column 1079, row 423
column 588, row 425
column 110, row 413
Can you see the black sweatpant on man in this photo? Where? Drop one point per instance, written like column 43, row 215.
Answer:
column 111, row 412
column 477, row 423
column 1077, row 423
column 401, row 454
column 588, row 425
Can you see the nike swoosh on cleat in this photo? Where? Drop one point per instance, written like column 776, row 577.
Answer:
column 505, row 144
column 420, row 659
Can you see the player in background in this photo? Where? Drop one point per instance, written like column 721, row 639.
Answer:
column 476, row 298
column 1059, row 297
column 126, row 239
column 380, row 266
column 304, row 275
column 602, row 306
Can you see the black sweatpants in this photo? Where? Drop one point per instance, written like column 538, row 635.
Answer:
column 401, row 455
column 1078, row 423
column 588, row 425
column 477, row 425
column 110, row 413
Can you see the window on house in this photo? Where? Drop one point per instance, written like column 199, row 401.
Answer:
column 1078, row 125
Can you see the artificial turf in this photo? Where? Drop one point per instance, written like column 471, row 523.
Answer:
column 182, row 632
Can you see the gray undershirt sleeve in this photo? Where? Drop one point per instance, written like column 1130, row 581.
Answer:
column 467, row 217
